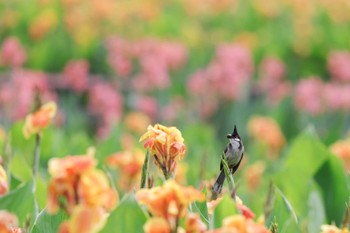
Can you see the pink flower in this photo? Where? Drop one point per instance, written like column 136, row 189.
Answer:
column 339, row 65
column 17, row 95
column 227, row 74
column 119, row 56
column 272, row 68
column 148, row 105
column 337, row 96
column 12, row 53
column 308, row 95
column 76, row 75
column 106, row 103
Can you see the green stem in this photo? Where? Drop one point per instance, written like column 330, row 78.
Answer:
column 36, row 154
column 229, row 176
column 144, row 170
column 35, row 170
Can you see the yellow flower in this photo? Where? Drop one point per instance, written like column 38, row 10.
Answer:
column 342, row 150
column 4, row 186
column 166, row 145
column 37, row 121
column 156, row 225
column 169, row 201
column 266, row 131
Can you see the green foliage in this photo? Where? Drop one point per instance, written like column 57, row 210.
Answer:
column 47, row 222
column 201, row 208
column 127, row 217
column 283, row 214
column 20, row 202
column 333, row 184
column 225, row 208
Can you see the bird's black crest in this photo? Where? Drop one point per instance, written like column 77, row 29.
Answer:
column 234, row 134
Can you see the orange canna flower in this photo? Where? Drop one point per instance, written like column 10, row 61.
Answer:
column 37, row 121
column 157, row 225
column 246, row 212
column 240, row 224
column 342, row 150
column 76, row 180
column 166, row 145
column 84, row 219
column 266, row 131
column 4, row 186
column 129, row 163
column 71, row 166
column 8, row 222
column 94, row 190
column 137, row 121
column 253, row 175
column 194, row 224
column 169, row 201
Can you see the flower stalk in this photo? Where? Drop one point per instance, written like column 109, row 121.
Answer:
column 144, row 174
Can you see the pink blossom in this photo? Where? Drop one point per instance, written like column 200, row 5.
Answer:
column 272, row 68
column 339, row 65
column 106, row 103
column 174, row 109
column 148, row 105
column 308, row 95
column 119, row 55
column 76, row 75
column 227, row 75
column 337, row 96
column 12, row 53
column 18, row 94
column 281, row 90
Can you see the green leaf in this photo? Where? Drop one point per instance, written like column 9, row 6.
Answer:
column 20, row 169
column 225, row 208
column 283, row 213
column 332, row 180
column 201, row 208
column 307, row 154
column 127, row 217
column 20, row 202
column 145, row 170
column 41, row 192
column 48, row 223
column 316, row 215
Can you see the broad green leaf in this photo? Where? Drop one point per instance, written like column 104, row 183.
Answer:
column 20, row 169
column 316, row 216
column 307, row 154
column 225, row 208
column 41, row 192
column 333, row 183
column 48, row 223
column 201, row 208
column 283, row 213
column 20, row 202
column 127, row 217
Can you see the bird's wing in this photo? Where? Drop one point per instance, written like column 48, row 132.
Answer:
column 234, row 169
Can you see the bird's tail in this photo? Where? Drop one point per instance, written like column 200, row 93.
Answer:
column 219, row 182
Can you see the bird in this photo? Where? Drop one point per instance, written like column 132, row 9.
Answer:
column 234, row 153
